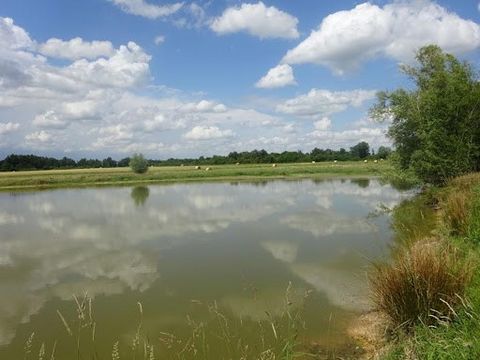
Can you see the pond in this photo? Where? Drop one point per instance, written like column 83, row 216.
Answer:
column 180, row 250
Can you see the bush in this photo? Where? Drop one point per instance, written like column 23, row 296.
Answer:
column 435, row 125
column 423, row 284
column 138, row 164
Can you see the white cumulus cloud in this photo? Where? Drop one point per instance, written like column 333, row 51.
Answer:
column 207, row 133
column 76, row 48
column 129, row 66
column 323, row 124
column 257, row 20
column 50, row 119
column 347, row 38
column 142, row 8
column 13, row 36
column 9, row 127
column 39, row 137
column 320, row 102
column 204, row 106
column 279, row 76
column 108, row 106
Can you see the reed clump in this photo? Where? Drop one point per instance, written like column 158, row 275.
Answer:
column 462, row 207
column 457, row 212
column 423, row 284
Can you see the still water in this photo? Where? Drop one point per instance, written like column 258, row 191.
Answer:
column 176, row 247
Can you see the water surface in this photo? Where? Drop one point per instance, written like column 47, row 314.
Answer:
column 172, row 247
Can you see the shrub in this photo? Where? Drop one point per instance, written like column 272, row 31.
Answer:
column 424, row 283
column 138, row 164
column 430, row 122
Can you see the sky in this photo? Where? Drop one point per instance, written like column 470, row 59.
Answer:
column 98, row 78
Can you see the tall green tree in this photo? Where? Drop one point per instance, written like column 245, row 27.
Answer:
column 361, row 150
column 384, row 152
column 436, row 125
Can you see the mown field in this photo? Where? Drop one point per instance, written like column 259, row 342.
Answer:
column 125, row 176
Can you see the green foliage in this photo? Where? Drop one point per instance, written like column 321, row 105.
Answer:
column 384, row 152
column 436, row 126
column 361, row 150
column 138, row 164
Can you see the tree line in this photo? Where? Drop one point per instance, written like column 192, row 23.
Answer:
column 360, row 151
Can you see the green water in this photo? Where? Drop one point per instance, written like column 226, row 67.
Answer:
column 178, row 249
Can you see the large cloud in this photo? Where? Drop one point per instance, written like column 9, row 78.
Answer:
column 13, row 36
column 207, row 133
column 100, row 102
column 76, row 48
column 257, row 20
column 321, row 102
column 279, row 76
column 6, row 128
column 143, row 8
column 346, row 38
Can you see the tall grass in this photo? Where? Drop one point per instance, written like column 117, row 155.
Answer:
column 453, row 332
column 219, row 336
column 423, row 284
column 457, row 212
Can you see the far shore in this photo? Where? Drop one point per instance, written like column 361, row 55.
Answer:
column 66, row 178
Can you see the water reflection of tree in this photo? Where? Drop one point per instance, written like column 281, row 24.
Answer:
column 363, row 183
column 140, row 195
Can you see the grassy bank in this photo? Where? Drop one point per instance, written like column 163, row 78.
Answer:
column 431, row 289
column 124, row 176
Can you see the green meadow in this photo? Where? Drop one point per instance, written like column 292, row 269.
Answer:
column 125, row 176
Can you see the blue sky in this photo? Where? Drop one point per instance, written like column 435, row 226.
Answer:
column 110, row 77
